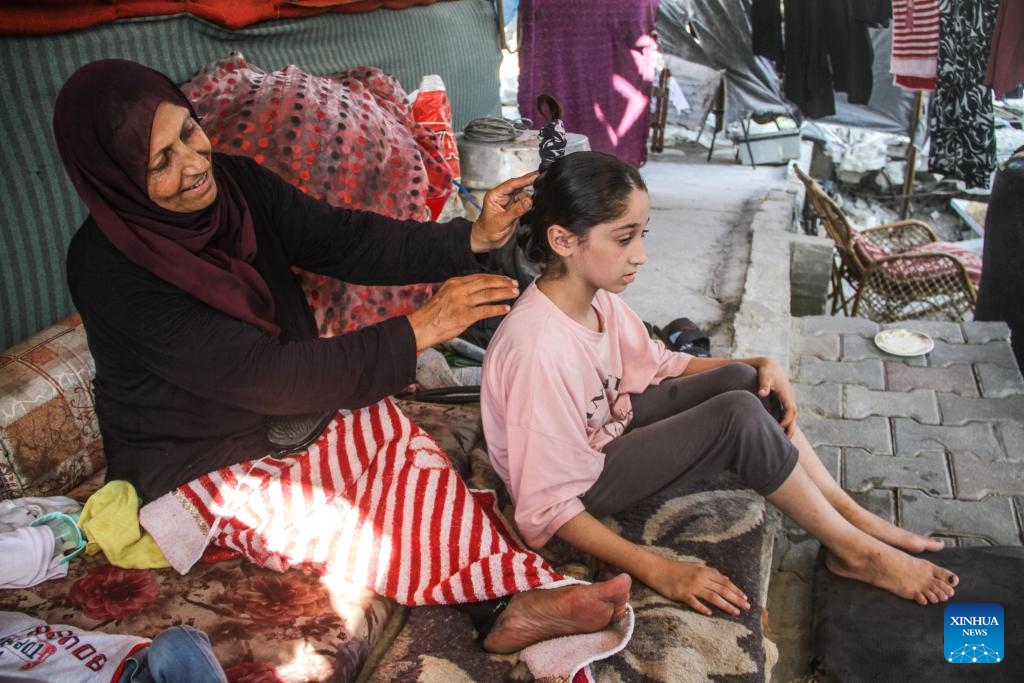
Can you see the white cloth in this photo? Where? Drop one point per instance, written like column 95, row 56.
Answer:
column 28, row 557
column 32, row 650
column 18, row 512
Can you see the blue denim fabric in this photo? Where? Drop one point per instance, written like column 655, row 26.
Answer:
column 178, row 654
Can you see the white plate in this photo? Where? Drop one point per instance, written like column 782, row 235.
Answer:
column 902, row 342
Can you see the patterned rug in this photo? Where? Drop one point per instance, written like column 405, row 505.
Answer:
column 713, row 522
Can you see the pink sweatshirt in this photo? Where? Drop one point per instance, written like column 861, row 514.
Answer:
column 555, row 393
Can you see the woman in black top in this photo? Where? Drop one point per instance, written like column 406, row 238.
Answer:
column 202, row 338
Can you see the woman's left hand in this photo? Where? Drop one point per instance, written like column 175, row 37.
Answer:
column 502, row 208
column 771, row 377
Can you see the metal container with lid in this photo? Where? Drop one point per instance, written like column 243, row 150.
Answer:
column 487, row 164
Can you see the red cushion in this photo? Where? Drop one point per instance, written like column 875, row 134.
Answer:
column 920, row 269
column 348, row 138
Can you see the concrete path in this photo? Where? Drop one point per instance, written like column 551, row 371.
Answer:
column 934, row 443
column 698, row 247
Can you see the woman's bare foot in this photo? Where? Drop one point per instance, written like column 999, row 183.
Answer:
column 893, row 570
column 541, row 614
column 884, row 531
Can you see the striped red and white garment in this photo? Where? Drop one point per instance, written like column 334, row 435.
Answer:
column 915, row 43
column 374, row 502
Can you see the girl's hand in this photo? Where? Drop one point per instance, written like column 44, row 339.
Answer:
column 694, row 584
column 502, row 208
column 772, row 377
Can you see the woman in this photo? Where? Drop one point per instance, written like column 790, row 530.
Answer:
column 203, row 340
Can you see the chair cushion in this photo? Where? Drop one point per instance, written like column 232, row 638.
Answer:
column 916, row 270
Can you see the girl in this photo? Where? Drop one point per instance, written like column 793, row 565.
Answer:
column 585, row 414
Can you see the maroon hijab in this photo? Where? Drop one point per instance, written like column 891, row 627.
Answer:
column 102, row 122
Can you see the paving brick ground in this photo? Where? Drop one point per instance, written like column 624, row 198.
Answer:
column 934, row 443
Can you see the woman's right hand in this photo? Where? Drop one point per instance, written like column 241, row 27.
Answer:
column 694, row 584
column 460, row 302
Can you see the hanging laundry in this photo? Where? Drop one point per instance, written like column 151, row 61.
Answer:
column 596, row 58
column 915, row 43
column 1006, row 58
column 961, row 119
column 827, row 49
column 766, row 29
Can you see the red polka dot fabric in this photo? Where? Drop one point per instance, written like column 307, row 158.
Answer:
column 348, row 138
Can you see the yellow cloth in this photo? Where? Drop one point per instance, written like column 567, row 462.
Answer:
column 110, row 520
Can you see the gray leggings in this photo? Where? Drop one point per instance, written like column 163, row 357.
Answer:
column 693, row 428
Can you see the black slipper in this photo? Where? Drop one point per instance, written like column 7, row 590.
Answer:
column 469, row 393
column 682, row 334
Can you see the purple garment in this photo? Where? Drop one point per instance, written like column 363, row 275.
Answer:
column 596, row 58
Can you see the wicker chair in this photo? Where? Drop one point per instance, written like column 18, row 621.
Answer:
column 898, row 271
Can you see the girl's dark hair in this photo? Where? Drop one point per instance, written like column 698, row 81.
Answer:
column 577, row 192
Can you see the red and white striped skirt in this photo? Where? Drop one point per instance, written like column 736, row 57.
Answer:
column 374, row 502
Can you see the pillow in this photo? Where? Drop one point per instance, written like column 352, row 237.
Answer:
column 915, row 270
column 348, row 138
column 49, row 438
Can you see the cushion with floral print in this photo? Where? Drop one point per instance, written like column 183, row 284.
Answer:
column 348, row 138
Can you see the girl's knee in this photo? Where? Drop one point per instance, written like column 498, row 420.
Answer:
column 738, row 376
column 741, row 406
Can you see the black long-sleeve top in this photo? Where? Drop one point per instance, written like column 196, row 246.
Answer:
column 182, row 389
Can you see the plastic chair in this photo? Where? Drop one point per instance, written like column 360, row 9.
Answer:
column 898, row 271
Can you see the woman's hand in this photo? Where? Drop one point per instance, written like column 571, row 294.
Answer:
column 502, row 208
column 772, row 377
column 460, row 302
column 695, row 584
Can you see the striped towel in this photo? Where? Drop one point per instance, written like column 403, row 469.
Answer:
column 915, row 43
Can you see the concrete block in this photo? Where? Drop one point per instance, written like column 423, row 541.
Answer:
column 972, row 542
column 936, row 329
column 958, row 410
column 928, row 472
column 831, row 458
column 919, row 404
column 980, row 438
column 992, row 519
column 980, row 332
column 824, row 346
column 957, row 379
column 871, row 434
column 881, row 502
column 825, row 400
column 842, row 325
column 994, row 353
column 809, row 270
column 859, row 348
column 869, row 373
column 1011, row 435
column 998, row 381
column 977, row 477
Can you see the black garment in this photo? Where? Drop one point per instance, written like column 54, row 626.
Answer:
column 1001, row 295
column 849, row 51
column 827, row 49
column 961, row 119
column 766, row 29
column 873, row 13
column 183, row 389
column 808, row 79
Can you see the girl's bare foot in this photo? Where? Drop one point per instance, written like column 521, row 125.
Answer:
column 887, row 532
column 893, row 570
column 537, row 615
